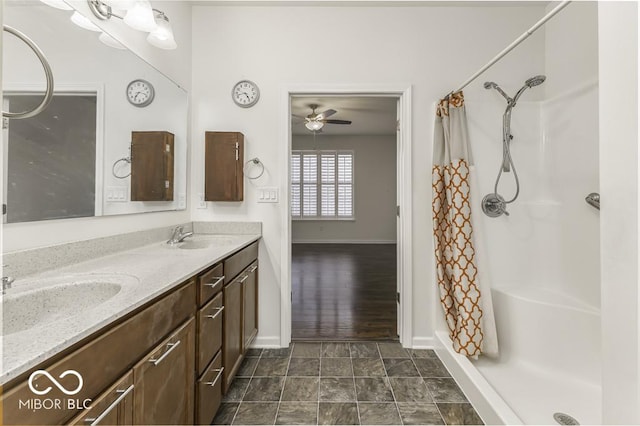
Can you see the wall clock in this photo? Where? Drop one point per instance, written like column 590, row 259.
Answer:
column 140, row 93
column 245, row 93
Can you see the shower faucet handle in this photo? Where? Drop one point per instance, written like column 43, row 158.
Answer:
column 493, row 205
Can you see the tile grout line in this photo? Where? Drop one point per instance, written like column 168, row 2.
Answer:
column 355, row 388
column 428, row 390
column 284, row 383
column 393, row 393
column 245, row 391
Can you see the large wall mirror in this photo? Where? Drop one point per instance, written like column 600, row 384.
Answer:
column 73, row 159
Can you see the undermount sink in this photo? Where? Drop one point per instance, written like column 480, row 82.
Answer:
column 56, row 300
column 191, row 245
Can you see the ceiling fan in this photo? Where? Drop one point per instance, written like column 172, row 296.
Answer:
column 316, row 120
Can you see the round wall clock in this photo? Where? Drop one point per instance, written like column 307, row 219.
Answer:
column 245, row 93
column 140, row 93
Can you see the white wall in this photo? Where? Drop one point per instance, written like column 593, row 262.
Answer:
column 431, row 48
column 374, row 191
column 177, row 65
column 570, row 151
column 618, row 70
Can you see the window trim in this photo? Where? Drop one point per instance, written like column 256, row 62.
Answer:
column 318, row 153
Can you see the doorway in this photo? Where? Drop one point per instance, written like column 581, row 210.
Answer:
column 324, row 256
column 343, row 211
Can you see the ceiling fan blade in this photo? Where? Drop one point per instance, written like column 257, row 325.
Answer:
column 298, row 116
column 327, row 113
column 336, row 121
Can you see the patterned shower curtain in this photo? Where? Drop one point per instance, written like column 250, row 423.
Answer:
column 457, row 274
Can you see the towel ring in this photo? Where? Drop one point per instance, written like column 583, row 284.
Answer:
column 257, row 161
column 113, row 168
column 48, row 96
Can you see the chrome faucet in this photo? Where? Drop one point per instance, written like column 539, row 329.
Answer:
column 178, row 236
column 6, row 283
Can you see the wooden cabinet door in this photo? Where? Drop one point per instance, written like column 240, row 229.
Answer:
column 224, row 160
column 151, row 166
column 232, row 347
column 164, row 380
column 209, row 391
column 113, row 407
column 250, row 305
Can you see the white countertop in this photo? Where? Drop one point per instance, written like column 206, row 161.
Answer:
column 144, row 273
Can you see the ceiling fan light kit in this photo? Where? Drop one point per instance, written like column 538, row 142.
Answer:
column 315, row 121
column 314, row 126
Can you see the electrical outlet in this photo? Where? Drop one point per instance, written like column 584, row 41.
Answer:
column 202, row 204
column 182, row 201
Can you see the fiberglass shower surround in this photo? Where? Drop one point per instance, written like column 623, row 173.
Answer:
column 494, row 204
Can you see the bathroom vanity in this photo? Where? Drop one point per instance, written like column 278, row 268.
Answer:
column 160, row 350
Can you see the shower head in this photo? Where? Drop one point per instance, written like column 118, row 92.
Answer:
column 535, row 81
column 492, row 85
column 532, row 82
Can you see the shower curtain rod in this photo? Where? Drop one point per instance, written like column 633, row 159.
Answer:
column 509, row 48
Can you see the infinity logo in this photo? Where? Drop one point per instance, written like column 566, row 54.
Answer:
column 55, row 382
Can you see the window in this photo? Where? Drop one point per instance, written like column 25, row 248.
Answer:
column 322, row 184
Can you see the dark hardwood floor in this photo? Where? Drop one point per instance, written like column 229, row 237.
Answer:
column 343, row 291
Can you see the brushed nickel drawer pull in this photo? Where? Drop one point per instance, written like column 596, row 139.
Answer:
column 253, row 268
column 123, row 394
column 219, row 370
column 171, row 347
column 218, row 312
column 244, row 279
column 218, row 280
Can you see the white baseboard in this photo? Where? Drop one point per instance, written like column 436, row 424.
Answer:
column 266, row 342
column 343, row 242
column 422, row 343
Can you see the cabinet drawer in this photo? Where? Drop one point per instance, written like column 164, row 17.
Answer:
column 209, row 391
column 164, row 381
column 210, row 283
column 113, row 407
column 234, row 264
column 209, row 339
column 103, row 360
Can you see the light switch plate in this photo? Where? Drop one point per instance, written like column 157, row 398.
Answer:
column 202, row 204
column 182, row 203
column 117, row 194
column 268, row 194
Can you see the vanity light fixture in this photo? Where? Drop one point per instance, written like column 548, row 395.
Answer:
column 84, row 22
column 139, row 15
column 162, row 37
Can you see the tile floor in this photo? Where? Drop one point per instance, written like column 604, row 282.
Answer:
column 344, row 383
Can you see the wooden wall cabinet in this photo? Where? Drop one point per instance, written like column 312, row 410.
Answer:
column 224, row 161
column 152, row 166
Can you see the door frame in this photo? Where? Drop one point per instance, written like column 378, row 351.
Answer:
column 402, row 92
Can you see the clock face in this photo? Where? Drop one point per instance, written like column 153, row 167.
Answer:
column 140, row 93
column 245, row 93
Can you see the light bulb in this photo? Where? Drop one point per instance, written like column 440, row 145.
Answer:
column 84, row 22
column 140, row 17
column 162, row 37
column 314, row 126
column 58, row 4
column 110, row 41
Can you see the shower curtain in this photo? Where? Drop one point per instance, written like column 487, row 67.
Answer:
column 467, row 307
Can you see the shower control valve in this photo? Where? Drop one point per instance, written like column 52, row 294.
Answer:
column 493, row 205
